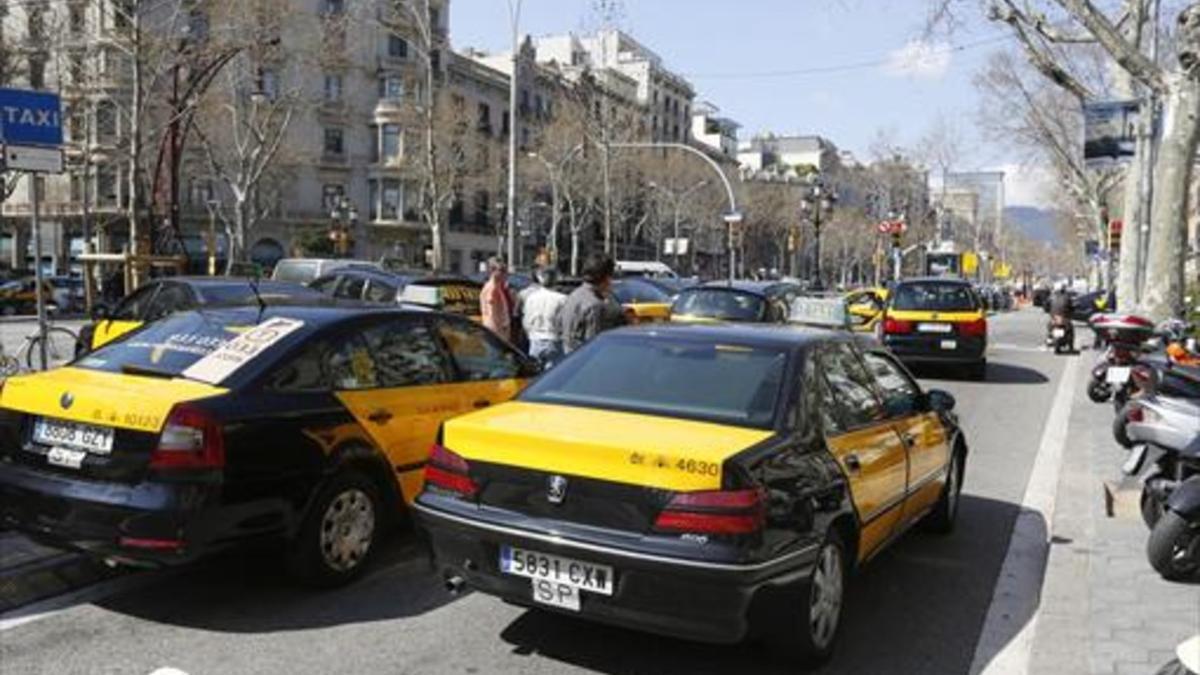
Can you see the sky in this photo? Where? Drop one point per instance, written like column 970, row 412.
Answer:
column 844, row 69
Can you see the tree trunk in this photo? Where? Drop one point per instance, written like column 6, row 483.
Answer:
column 1131, row 234
column 1164, row 287
column 574, row 251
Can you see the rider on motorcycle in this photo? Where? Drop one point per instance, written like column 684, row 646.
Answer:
column 1060, row 307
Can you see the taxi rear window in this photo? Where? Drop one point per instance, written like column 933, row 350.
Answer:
column 935, row 297
column 168, row 347
column 720, row 303
column 727, row 384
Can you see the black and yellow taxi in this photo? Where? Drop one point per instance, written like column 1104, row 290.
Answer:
column 308, row 426
column 160, row 297
column 711, row 482
column 735, row 301
column 866, row 306
column 937, row 320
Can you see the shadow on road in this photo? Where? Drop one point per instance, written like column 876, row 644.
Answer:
column 997, row 373
column 918, row 608
column 247, row 592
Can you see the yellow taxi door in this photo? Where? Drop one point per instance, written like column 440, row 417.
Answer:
column 865, row 444
column 399, row 385
column 920, row 430
column 487, row 369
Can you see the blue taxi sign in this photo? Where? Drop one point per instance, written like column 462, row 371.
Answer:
column 826, row 312
column 30, row 118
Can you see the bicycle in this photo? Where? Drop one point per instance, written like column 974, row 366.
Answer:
column 60, row 348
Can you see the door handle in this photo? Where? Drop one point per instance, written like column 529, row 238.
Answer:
column 852, row 464
column 380, row 416
column 481, row 403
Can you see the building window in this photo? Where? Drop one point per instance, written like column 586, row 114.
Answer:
column 435, row 59
column 106, row 185
column 391, row 86
column 333, row 87
column 334, row 142
column 484, row 118
column 373, row 154
column 390, row 208
column 75, row 66
column 331, row 196
column 76, row 18
column 504, row 124
column 37, row 72
column 390, row 141
column 372, row 200
column 106, row 121
column 397, row 47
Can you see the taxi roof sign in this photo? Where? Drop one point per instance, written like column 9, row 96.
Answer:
column 826, row 312
column 427, row 296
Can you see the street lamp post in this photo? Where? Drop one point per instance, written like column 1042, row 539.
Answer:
column 343, row 220
column 514, row 15
column 817, row 204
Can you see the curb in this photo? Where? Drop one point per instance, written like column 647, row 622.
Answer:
column 48, row 576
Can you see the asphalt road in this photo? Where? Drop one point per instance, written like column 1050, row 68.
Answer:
column 918, row 608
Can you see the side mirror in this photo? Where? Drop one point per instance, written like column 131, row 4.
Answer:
column 99, row 312
column 940, row 401
column 531, row 368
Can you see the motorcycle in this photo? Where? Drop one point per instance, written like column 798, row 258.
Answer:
column 1166, row 435
column 1124, row 337
column 1060, row 334
column 1158, row 374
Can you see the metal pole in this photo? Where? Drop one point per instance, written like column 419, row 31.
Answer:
column 37, row 267
column 514, row 14
column 817, row 244
column 732, row 256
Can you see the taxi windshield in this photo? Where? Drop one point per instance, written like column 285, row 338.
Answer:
column 727, row 384
column 168, row 347
column 936, row 297
column 723, row 304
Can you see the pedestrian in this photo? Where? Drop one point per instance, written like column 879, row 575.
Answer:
column 591, row 309
column 496, row 301
column 543, row 308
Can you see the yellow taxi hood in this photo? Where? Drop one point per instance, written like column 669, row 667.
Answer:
column 928, row 315
column 636, row 449
column 97, row 397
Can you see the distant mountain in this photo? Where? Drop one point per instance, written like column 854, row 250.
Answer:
column 1036, row 223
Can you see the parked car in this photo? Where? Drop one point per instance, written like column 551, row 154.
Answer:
column 738, row 301
column 306, row 426
column 713, row 483
column 454, row 294
column 305, row 270
column 20, row 297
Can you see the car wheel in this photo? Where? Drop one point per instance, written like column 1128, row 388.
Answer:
column 340, row 532
column 944, row 514
column 1174, row 547
column 819, row 617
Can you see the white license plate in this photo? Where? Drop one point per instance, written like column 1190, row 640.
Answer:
column 934, row 327
column 1118, row 375
column 73, row 435
column 66, row 457
column 949, row 344
column 1059, row 333
column 556, row 580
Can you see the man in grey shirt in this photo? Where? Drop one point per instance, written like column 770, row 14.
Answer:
column 591, row 309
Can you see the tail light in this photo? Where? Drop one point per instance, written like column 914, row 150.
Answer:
column 448, row 471
column 976, row 328
column 896, row 326
column 190, row 439
column 1135, row 413
column 714, row 512
column 151, row 544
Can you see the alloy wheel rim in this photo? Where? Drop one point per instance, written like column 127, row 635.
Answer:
column 1185, row 553
column 347, row 528
column 826, row 597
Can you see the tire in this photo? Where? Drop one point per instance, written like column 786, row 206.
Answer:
column 1120, row 430
column 944, row 514
column 1151, row 509
column 1099, row 391
column 1174, row 668
column 339, row 534
column 812, row 631
column 1174, row 547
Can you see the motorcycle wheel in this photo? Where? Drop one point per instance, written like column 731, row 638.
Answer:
column 1151, row 508
column 1099, row 391
column 1120, row 398
column 1174, row 547
column 1120, row 433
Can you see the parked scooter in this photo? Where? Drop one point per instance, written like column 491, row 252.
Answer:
column 1124, row 335
column 1160, row 374
column 1166, row 433
column 1186, row 661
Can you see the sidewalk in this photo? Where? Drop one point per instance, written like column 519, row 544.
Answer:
column 1103, row 610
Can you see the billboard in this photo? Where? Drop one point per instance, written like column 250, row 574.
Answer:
column 1109, row 131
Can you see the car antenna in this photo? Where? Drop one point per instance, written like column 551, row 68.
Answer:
column 262, row 304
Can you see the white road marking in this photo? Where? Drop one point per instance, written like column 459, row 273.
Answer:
column 1006, row 347
column 1006, row 644
column 168, row 671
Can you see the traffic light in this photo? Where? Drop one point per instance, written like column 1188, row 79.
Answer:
column 1114, row 237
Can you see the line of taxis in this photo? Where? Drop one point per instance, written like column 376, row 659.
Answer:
column 717, row 477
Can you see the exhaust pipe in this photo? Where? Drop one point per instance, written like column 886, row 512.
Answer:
column 455, row 584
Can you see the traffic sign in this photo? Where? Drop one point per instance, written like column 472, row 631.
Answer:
column 38, row 160
column 893, row 227
column 30, row 117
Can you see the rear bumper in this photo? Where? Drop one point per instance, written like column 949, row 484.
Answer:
column 94, row 517
column 685, row 598
column 933, row 348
